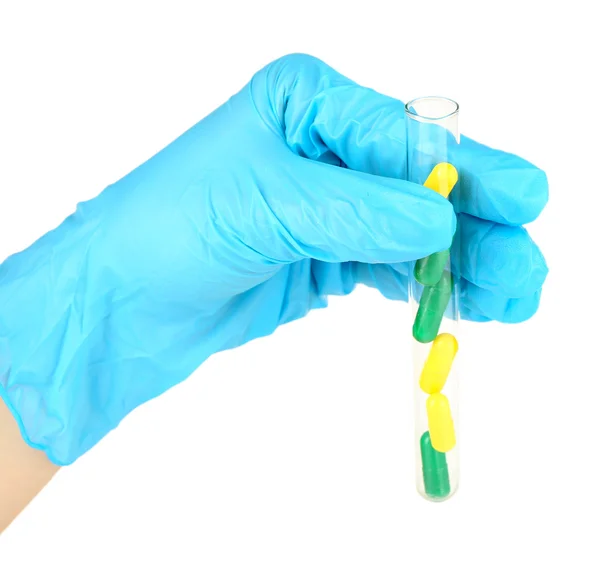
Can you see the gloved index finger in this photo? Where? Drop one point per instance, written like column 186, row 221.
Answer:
column 497, row 186
column 327, row 117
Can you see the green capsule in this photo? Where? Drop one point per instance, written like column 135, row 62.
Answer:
column 432, row 306
column 428, row 270
column 435, row 469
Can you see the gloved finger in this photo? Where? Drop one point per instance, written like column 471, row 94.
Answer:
column 502, row 259
column 485, row 303
column 391, row 280
column 493, row 184
column 476, row 304
column 468, row 314
column 353, row 216
column 326, row 117
column 497, row 186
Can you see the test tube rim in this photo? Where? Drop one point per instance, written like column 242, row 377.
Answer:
column 408, row 108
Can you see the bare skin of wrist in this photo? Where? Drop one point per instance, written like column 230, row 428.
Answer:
column 23, row 471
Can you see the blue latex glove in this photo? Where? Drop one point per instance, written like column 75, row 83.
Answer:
column 289, row 192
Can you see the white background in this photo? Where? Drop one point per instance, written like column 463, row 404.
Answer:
column 297, row 449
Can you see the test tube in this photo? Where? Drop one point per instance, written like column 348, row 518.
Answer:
column 434, row 291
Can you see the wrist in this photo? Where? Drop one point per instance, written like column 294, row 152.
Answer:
column 24, row 471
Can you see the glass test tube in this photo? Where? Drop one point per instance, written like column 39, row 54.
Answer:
column 432, row 138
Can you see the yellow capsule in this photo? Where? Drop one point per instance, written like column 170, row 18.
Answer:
column 442, row 179
column 438, row 363
column 441, row 426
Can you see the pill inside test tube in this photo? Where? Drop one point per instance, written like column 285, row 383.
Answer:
column 441, row 425
column 435, row 469
column 442, row 180
column 438, row 363
column 432, row 305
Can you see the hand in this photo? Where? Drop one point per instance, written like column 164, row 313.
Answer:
column 291, row 191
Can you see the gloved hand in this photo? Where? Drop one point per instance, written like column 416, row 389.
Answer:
column 291, row 191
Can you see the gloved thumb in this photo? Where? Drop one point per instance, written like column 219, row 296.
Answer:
column 334, row 214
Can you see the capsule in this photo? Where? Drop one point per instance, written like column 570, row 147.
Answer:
column 428, row 270
column 441, row 426
column 435, row 469
column 442, row 179
column 438, row 363
column 432, row 306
